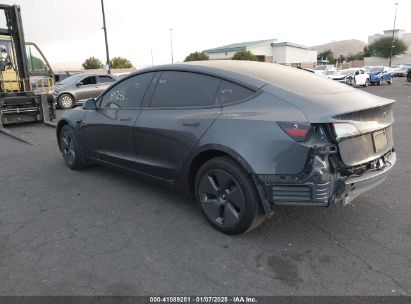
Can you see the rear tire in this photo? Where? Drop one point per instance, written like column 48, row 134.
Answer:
column 389, row 81
column 70, row 149
column 379, row 82
column 228, row 197
column 66, row 101
column 367, row 83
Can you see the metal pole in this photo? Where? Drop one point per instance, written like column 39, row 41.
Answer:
column 393, row 30
column 171, row 41
column 105, row 36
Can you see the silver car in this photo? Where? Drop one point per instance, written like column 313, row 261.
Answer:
column 76, row 89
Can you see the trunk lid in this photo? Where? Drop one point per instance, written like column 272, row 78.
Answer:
column 322, row 108
column 370, row 114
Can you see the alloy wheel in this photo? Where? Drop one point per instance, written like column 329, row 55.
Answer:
column 67, row 102
column 67, row 147
column 221, row 198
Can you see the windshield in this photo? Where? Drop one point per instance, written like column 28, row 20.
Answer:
column 376, row 69
column 347, row 72
column 72, row 79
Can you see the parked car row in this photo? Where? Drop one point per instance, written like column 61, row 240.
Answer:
column 358, row 76
column 401, row 70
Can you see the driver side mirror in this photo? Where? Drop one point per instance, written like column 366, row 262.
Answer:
column 90, row 104
column 79, row 84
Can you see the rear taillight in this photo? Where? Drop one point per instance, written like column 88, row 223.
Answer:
column 296, row 130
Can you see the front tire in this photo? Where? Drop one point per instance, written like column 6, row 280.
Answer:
column 389, row 81
column 66, row 101
column 70, row 149
column 228, row 197
column 379, row 82
column 367, row 83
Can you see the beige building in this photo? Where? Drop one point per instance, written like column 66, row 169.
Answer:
column 270, row 50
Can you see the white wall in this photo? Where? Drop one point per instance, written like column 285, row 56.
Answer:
column 261, row 50
column 221, row 55
column 299, row 55
column 279, row 54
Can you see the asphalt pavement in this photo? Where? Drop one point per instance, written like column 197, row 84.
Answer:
column 102, row 232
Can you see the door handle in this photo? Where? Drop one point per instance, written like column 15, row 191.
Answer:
column 191, row 124
column 125, row 119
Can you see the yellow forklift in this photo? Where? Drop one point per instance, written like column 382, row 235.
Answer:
column 26, row 79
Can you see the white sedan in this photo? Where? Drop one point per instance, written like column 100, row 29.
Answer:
column 354, row 77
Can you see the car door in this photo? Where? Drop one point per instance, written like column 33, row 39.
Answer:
column 87, row 88
column 360, row 77
column 109, row 128
column 180, row 111
column 387, row 74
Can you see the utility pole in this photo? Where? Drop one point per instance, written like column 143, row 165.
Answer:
column 393, row 30
column 105, row 36
column 171, row 41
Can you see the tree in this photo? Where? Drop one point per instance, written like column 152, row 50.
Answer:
column 245, row 55
column 196, row 56
column 120, row 63
column 382, row 47
column 358, row 56
column 367, row 52
column 92, row 63
column 328, row 54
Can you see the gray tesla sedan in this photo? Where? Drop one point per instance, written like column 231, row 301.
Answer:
column 76, row 89
column 238, row 137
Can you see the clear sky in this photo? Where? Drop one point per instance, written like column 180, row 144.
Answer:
column 68, row 31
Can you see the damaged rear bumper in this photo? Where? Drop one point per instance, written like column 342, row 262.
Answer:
column 353, row 186
column 321, row 186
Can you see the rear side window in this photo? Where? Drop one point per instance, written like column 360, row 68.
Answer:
column 105, row 79
column 128, row 93
column 184, row 89
column 229, row 92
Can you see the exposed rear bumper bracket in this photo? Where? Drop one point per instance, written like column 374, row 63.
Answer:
column 356, row 185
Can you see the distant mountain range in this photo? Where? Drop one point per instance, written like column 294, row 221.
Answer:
column 342, row 47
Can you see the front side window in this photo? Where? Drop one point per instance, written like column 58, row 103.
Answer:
column 128, row 93
column 229, row 92
column 89, row 80
column 185, row 89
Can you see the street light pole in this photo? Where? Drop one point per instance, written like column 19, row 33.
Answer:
column 393, row 30
column 171, row 42
column 105, row 36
